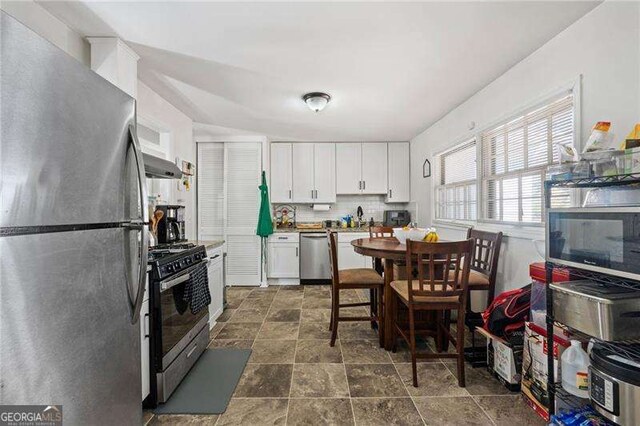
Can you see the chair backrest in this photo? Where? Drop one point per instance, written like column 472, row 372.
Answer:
column 333, row 256
column 380, row 231
column 486, row 254
column 448, row 266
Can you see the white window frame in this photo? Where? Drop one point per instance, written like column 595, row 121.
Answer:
column 464, row 185
column 512, row 229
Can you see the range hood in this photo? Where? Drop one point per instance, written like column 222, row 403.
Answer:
column 155, row 167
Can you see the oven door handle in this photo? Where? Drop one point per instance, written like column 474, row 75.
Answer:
column 166, row 285
column 172, row 282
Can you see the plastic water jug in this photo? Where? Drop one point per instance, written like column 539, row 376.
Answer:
column 575, row 371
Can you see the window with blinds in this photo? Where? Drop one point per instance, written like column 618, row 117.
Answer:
column 455, row 194
column 515, row 155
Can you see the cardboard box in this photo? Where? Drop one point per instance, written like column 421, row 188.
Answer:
column 504, row 360
column 534, row 366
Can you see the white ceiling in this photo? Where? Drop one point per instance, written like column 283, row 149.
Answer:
column 393, row 69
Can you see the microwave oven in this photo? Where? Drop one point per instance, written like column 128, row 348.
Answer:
column 602, row 239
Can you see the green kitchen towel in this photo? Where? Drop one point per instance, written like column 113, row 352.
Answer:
column 265, row 225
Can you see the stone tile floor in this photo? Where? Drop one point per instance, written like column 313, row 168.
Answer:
column 295, row 378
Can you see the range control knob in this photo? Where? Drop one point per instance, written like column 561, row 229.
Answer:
column 169, row 268
column 176, row 265
column 189, row 261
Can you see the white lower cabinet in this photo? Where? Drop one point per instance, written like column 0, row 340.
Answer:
column 144, row 346
column 347, row 257
column 216, row 284
column 283, row 256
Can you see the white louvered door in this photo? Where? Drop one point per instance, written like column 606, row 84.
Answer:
column 243, row 164
column 210, row 188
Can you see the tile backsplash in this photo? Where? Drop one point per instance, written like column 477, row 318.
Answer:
column 372, row 205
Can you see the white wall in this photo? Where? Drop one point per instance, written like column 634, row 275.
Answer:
column 604, row 48
column 48, row 26
column 155, row 110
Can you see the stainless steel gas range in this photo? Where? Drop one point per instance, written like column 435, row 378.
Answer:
column 178, row 337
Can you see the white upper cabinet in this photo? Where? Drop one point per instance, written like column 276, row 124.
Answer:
column 374, row 168
column 361, row 168
column 314, row 172
column 309, row 173
column 303, row 179
column 399, row 173
column 281, row 173
column 324, row 172
column 349, row 168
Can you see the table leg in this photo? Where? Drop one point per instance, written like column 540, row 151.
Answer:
column 389, row 310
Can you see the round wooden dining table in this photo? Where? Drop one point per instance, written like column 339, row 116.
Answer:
column 389, row 250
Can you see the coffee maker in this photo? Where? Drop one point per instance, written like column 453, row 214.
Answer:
column 171, row 227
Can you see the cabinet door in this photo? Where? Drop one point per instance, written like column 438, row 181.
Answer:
column 325, row 172
column 144, row 349
column 284, row 261
column 348, row 168
column 374, row 168
column 216, row 288
column 399, row 174
column 303, row 187
column 281, row 168
column 348, row 258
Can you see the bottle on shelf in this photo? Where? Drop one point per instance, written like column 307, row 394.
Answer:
column 575, row 370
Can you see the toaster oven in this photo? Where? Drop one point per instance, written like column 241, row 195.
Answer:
column 603, row 239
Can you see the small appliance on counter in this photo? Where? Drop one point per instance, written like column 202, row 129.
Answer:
column 396, row 218
column 605, row 311
column 171, row 224
column 615, row 383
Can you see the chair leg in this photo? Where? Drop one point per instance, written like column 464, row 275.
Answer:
column 390, row 310
column 381, row 314
column 440, row 319
column 335, row 314
column 372, row 305
column 333, row 296
column 412, row 337
column 460, row 348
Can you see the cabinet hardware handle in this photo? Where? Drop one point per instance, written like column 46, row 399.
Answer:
column 364, row 184
column 296, row 251
column 312, row 194
column 359, row 184
column 146, row 325
column 289, row 194
column 391, row 193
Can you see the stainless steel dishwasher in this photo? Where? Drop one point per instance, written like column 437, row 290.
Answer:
column 314, row 257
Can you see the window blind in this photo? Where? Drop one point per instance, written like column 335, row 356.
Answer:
column 458, row 165
column 455, row 196
column 515, row 155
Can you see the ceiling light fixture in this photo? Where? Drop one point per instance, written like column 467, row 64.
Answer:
column 316, row 100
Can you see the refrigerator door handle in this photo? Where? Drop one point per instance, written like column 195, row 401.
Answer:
column 142, row 261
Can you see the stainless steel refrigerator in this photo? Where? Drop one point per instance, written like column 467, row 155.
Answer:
column 73, row 249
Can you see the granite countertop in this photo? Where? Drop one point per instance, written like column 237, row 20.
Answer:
column 208, row 244
column 364, row 228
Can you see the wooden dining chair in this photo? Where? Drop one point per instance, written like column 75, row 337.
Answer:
column 442, row 287
column 378, row 231
column 484, row 269
column 357, row 278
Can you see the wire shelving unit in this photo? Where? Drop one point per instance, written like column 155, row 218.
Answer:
column 627, row 349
